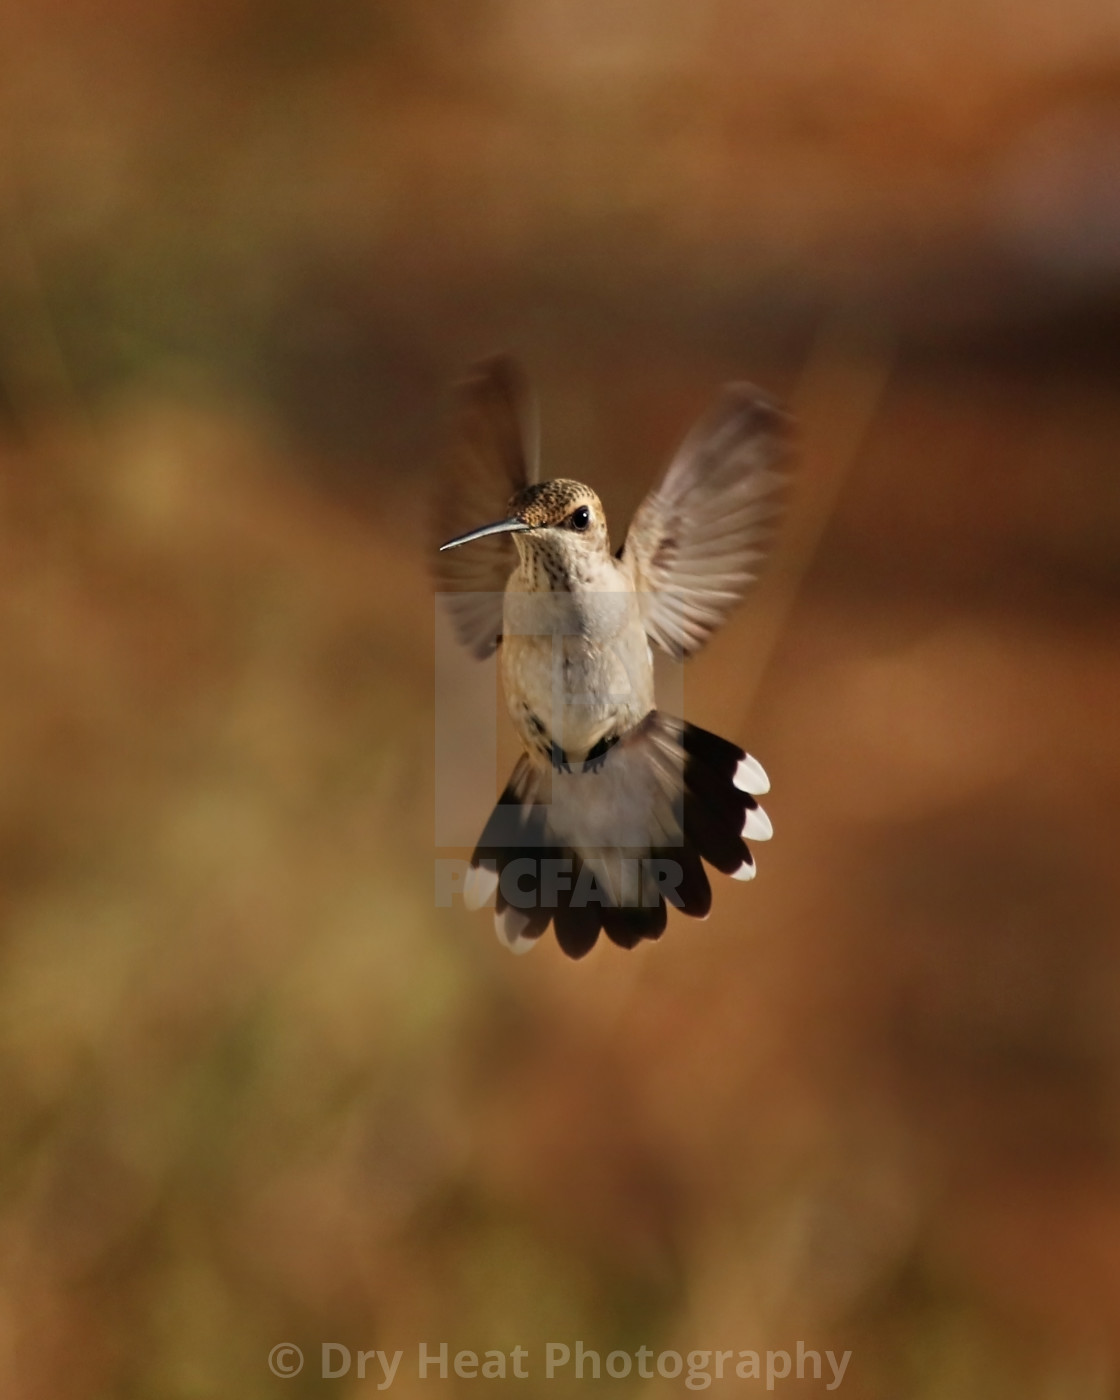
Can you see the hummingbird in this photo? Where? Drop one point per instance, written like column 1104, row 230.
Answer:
column 614, row 806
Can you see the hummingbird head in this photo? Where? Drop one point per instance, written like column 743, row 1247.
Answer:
column 559, row 523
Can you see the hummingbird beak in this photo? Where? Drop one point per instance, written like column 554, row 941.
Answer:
column 501, row 527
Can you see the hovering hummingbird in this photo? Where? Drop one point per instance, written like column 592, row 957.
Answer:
column 613, row 806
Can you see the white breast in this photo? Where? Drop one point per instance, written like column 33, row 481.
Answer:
column 578, row 663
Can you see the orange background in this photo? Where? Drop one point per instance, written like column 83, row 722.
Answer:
column 257, row 1087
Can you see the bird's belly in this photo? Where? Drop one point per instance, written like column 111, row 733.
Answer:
column 573, row 693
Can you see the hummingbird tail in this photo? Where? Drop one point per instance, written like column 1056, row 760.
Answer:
column 607, row 848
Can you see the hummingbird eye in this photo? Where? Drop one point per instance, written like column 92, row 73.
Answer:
column 580, row 519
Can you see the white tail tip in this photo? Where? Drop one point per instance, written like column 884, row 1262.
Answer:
column 757, row 826
column 746, row 871
column 479, row 886
column 750, row 776
column 508, row 925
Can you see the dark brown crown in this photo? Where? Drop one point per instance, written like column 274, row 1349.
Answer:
column 550, row 502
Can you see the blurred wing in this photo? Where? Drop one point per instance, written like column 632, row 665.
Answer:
column 493, row 457
column 694, row 541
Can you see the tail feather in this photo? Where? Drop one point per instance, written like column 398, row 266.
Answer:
column 717, row 838
column 627, row 927
column 673, row 780
column 695, row 889
column 577, row 926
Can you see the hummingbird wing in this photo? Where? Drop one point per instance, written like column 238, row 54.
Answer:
column 493, row 456
column 693, row 542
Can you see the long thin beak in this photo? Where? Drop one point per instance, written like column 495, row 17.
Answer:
column 501, row 527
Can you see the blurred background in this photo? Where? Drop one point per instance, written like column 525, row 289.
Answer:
column 257, row 1087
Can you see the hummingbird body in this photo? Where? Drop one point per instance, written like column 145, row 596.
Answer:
column 577, row 669
column 614, row 806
